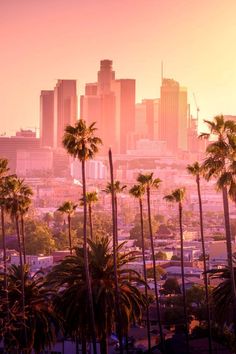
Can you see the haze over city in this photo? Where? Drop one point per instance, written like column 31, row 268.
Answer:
column 49, row 40
column 117, row 202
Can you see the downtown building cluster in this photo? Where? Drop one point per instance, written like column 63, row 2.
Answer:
column 121, row 122
column 155, row 128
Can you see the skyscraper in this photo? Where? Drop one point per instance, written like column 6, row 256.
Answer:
column 65, row 108
column 125, row 112
column 173, row 115
column 46, row 118
column 111, row 103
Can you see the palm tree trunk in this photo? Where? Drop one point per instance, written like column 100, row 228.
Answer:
column 116, row 213
column 69, row 233
column 104, row 345
column 204, row 266
column 22, row 275
column 182, row 274
column 154, row 270
column 86, row 261
column 90, row 221
column 229, row 251
column 23, row 238
column 145, row 273
column 114, row 224
column 4, row 248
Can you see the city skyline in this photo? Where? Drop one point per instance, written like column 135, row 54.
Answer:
column 64, row 40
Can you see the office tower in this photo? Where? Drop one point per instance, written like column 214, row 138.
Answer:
column 125, row 112
column 173, row 117
column 99, row 105
column 105, row 77
column 146, row 119
column 65, row 108
column 46, row 117
column 111, row 103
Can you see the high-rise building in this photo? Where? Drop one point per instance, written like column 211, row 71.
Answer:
column 111, row 103
column 146, row 119
column 65, row 108
column 173, row 115
column 105, row 77
column 125, row 112
column 46, row 117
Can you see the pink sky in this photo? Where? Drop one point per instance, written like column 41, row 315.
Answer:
column 43, row 40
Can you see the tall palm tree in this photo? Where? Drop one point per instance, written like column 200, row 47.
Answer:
column 91, row 198
column 3, row 195
column 68, row 208
column 177, row 196
column 81, row 142
column 196, row 170
column 220, row 164
column 111, row 189
column 148, row 182
column 138, row 191
column 71, row 300
column 24, row 204
column 118, row 189
column 18, row 194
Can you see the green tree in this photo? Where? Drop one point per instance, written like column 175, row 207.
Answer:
column 38, row 237
column 161, row 255
column 68, row 208
column 171, row 287
column 177, row 196
column 148, row 182
column 196, row 170
column 71, row 301
column 81, row 142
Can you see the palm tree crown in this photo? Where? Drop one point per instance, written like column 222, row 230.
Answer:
column 80, row 141
column 195, row 169
column 177, row 195
column 137, row 191
column 118, row 188
column 91, row 198
column 68, row 208
column 148, row 181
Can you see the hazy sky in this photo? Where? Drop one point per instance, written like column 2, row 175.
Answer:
column 44, row 40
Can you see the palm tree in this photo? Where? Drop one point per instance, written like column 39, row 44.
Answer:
column 222, row 294
column 118, row 189
column 81, row 142
column 39, row 320
column 68, row 208
column 91, row 198
column 24, row 204
column 71, row 301
column 138, row 191
column 220, row 164
column 177, row 196
column 17, row 203
column 111, row 189
column 196, row 170
column 3, row 194
column 148, row 182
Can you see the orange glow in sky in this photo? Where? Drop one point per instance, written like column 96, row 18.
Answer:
column 42, row 41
